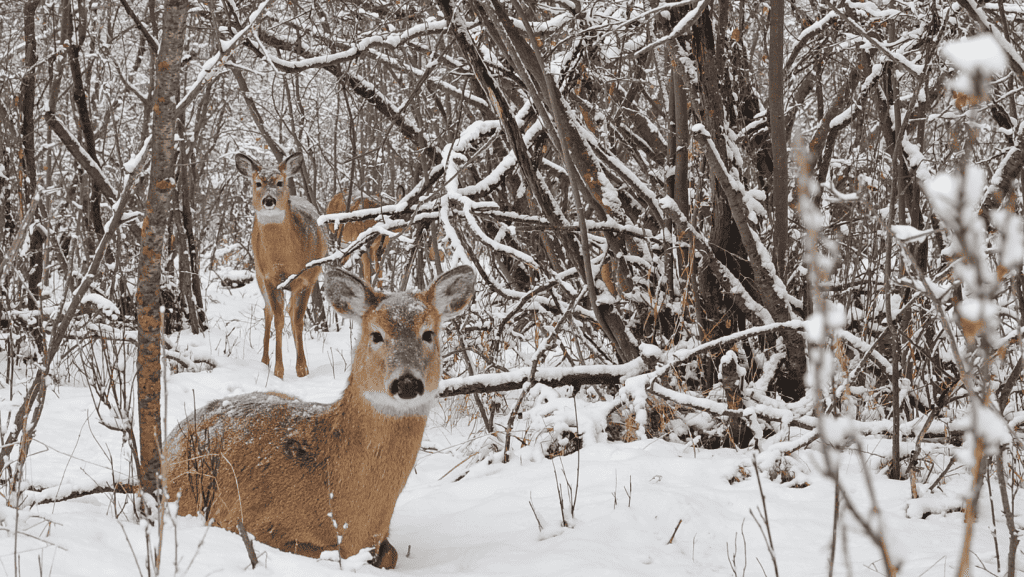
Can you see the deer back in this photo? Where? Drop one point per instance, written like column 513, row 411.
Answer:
column 258, row 458
column 349, row 231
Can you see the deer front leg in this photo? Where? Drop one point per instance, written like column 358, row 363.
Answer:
column 267, row 319
column 275, row 309
column 297, row 312
column 386, row 557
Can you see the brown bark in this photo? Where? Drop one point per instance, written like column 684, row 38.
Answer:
column 718, row 316
column 731, row 238
column 81, row 100
column 192, row 260
column 36, row 395
column 678, row 181
column 732, row 384
column 681, row 137
column 889, row 115
column 777, row 120
column 26, row 101
column 27, row 104
column 166, row 84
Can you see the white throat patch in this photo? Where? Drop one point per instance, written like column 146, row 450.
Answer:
column 270, row 216
column 387, row 405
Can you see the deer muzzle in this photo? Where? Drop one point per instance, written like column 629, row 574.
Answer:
column 406, row 387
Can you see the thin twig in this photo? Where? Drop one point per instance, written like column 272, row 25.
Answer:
column 673, row 537
column 248, row 544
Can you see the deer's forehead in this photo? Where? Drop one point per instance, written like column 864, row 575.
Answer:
column 263, row 179
column 402, row 310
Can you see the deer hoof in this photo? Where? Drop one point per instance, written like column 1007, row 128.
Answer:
column 386, row 557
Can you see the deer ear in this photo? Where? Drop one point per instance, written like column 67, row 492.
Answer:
column 292, row 164
column 346, row 292
column 246, row 165
column 453, row 291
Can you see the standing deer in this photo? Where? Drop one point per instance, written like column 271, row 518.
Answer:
column 307, row 477
column 285, row 236
column 350, row 231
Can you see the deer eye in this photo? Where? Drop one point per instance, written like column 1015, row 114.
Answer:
column 280, row 183
column 428, row 337
column 377, row 337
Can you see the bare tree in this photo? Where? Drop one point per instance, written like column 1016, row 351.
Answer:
column 166, row 86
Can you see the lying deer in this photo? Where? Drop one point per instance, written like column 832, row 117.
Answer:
column 285, row 236
column 307, row 477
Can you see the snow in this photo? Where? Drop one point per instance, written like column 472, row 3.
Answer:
column 558, row 21
column 1011, row 242
column 843, row 117
column 907, row 233
column 977, row 59
column 682, row 26
column 133, row 162
column 831, row 14
column 979, row 54
column 463, row 513
column 938, row 504
column 103, row 304
column 872, row 9
column 363, row 45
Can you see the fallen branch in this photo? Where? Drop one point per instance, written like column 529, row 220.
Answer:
column 515, row 379
column 42, row 496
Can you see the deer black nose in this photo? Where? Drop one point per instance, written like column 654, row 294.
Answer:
column 406, row 387
column 269, row 202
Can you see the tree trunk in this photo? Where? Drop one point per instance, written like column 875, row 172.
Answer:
column 719, row 315
column 27, row 102
column 166, row 83
column 91, row 191
column 777, row 119
column 192, row 260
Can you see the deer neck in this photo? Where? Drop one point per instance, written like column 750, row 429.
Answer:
column 362, row 418
column 370, row 461
column 281, row 214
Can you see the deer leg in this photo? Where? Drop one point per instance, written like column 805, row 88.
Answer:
column 297, row 311
column 364, row 260
column 386, row 557
column 276, row 298
column 267, row 318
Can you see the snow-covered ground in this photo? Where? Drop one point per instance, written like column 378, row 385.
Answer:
column 648, row 507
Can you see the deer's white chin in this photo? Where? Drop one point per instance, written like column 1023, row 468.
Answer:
column 390, row 406
column 270, row 216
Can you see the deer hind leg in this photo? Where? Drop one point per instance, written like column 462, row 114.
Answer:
column 377, row 250
column 365, row 263
column 297, row 311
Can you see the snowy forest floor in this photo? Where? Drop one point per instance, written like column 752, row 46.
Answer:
column 648, row 507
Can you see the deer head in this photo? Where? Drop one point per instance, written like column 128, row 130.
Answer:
column 270, row 189
column 397, row 362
